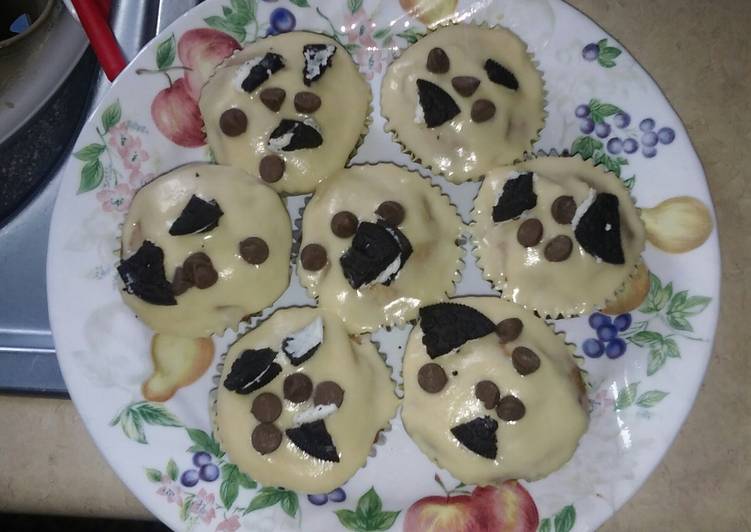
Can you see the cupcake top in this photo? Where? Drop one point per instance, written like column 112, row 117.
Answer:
column 300, row 402
column 491, row 393
column 274, row 109
column 202, row 247
column 464, row 99
column 378, row 242
column 556, row 234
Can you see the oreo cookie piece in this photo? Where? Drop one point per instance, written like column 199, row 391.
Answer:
column 599, row 229
column 253, row 369
column 303, row 343
column 291, row 135
column 518, row 196
column 318, row 57
column 262, row 71
column 377, row 254
column 314, row 439
column 497, row 73
column 198, row 216
column 144, row 276
column 447, row 326
column 479, row 436
column 437, row 105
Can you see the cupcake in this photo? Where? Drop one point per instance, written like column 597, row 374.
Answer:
column 202, row 247
column 274, row 109
column 556, row 234
column 378, row 242
column 464, row 99
column 491, row 393
column 300, row 402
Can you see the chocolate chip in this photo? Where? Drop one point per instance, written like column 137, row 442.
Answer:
column 266, row 407
column 233, row 122
column 558, row 249
column 465, row 85
column 438, row 61
column 307, row 102
column 254, row 250
column 529, row 233
column 273, row 98
column 482, row 110
column 314, row 439
column 198, row 268
column 391, row 212
column 313, row 257
column 180, row 283
column 259, row 73
column 437, row 105
column 518, row 196
column 497, row 73
column 599, row 229
column 479, row 436
column 563, row 209
column 344, row 224
column 271, row 168
column 297, row 387
column 510, row 409
column 198, row 216
column 328, row 393
column 253, row 369
column 447, row 326
column 487, row 392
column 509, row 329
column 266, row 438
column 431, row 377
column 525, row 360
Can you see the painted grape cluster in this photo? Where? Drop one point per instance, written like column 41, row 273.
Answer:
column 205, row 470
column 607, row 331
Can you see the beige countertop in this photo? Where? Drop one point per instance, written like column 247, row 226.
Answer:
column 699, row 53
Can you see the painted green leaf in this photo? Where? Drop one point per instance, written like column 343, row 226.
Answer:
column 585, row 146
column 204, row 442
column 172, row 470
column 625, row 399
column 604, row 109
column 671, row 348
column 657, row 358
column 90, row 152
column 226, row 26
column 154, row 475
column 369, row 504
column 111, row 115
column 300, row 3
column 609, row 53
column 289, row 503
column 650, row 398
column 607, row 63
column 411, row 35
column 245, row 10
column 92, row 174
column 602, row 43
column 132, row 426
column 383, row 521
column 354, row 5
column 630, row 182
column 349, row 520
column 679, row 322
column 185, row 508
column 156, row 414
column 165, row 53
column 545, row 525
column 655, row 286
column 266, row 497
column 643, row 338
column 380, row 34
column 696, row 304
column 226, row 11
column 565, row 519
column 228, row 491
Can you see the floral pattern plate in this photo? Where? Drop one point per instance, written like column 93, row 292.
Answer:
column 644, row 361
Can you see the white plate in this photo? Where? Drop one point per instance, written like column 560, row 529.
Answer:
column 639, row 400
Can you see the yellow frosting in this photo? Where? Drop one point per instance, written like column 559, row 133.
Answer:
column 250, row 209
column 461, row 149
column 576, row 284
column 369, row 403
column 431, row 224
column 345, row 99
column 530, row 448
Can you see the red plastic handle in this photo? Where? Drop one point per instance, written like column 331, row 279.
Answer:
column 92, row 14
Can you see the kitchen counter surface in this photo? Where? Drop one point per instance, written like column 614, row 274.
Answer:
column 698, row 52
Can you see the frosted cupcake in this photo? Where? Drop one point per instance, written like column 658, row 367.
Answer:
column 202, row 247
column 491, row 393
column 464, row 99
column 556, row 234
column 274, row 109
column 378, row 242
column 300, row 402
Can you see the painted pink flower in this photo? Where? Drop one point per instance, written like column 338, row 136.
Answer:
column 203, row 506
column 370, row 60
column 115, row 199
column 359, row 29
column 171, row 490
column 120, row 138
column 229, row 525
column 133, row 155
